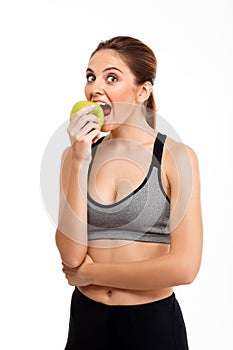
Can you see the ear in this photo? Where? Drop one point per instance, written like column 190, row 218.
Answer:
column 143, row 92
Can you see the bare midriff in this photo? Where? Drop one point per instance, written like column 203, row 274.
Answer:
column 106, row 251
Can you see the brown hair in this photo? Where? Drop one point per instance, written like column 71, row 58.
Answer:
column 141, row 61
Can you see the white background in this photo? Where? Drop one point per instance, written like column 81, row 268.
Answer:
column 45, row 47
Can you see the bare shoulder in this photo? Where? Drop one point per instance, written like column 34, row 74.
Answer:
column 178, row 153
column 180, row 165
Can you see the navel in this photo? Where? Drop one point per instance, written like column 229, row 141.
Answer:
column 109, row 293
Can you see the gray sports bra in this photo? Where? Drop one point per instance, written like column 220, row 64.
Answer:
column 143, row 215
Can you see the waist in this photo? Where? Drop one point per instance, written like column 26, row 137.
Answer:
column 104, row 251
column 123, row 251
column 114, row 296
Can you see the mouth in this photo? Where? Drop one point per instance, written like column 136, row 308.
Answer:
column 105, row 107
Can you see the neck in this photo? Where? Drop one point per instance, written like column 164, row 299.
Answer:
column 134, row 128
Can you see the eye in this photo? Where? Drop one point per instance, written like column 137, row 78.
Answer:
column 90, row 78
column 111, row 79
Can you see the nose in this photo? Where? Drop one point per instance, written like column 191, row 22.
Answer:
column 96, row 89
column 97, row 92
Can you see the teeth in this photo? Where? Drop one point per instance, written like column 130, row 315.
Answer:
column 100, row 103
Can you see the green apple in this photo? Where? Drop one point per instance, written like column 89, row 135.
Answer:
column 98, row 111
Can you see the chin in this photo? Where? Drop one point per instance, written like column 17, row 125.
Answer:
column 108, row 127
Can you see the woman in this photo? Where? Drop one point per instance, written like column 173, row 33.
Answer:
column 130, row 226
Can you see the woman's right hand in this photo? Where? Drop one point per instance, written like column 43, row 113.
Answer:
column 83, row 130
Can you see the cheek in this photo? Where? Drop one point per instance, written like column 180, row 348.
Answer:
column 86, row 91
column 123, row 94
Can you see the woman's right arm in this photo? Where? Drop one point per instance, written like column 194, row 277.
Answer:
column 71, row 233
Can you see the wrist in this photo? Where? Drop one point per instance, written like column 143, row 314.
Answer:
column 81, row 158
column 78, row 163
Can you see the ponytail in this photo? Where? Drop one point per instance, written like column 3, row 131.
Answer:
column 151, row 111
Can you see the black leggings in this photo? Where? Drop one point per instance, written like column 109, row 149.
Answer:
column 156, row 325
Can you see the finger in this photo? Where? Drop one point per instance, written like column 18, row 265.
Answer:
column 92, row 136
column 81, row 122
column 68, row 270
column 87, row 129
column 89, row 126
column 84, row 111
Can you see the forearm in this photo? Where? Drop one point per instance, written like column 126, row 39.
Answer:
column 71, row 235
column 161, row 272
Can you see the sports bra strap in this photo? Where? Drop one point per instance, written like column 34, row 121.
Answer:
column 158, row 146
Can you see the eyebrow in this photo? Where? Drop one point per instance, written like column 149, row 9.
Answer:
column 106, row 69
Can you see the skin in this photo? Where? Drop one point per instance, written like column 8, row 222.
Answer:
column 123, row 272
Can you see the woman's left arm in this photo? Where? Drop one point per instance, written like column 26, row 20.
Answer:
column 181, row 265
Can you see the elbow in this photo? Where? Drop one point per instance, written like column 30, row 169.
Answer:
column 72, row 262
column 189, row 278
column 73, row 259
column 185, row 269
column 189, row 274
column 72, row 253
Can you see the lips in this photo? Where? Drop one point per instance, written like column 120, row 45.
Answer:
column 105, row 107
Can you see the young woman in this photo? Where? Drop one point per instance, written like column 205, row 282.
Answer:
column 130, row 225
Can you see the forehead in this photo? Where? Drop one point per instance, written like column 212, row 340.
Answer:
column 107, row 58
